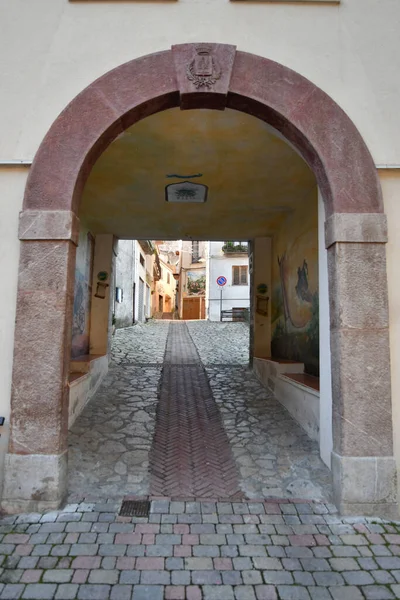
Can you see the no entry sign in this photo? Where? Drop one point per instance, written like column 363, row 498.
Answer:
column 221, row 280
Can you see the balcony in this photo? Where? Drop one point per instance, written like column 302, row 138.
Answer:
column 235, row 248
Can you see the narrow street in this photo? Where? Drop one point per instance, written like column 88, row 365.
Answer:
column 181, row 414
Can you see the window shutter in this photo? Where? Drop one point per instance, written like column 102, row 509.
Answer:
column 236, row 276
column 243, row 275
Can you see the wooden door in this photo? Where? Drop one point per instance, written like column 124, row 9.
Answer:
column 191, row 309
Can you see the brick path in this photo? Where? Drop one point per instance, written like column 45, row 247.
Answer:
column 191, row 454
column 199, row 551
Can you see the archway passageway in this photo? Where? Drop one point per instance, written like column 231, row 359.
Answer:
column 260, row 200
column 194, row 423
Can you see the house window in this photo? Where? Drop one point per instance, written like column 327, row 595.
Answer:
column 195, row 252
column 168, row 278
column 239, row 275
column 142, row 260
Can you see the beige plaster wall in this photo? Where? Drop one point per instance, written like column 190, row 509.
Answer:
column 54, row 48
column 390, row 181
column 12, row 183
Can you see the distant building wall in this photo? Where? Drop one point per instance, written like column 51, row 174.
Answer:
column 124, row 280
column 233, row 295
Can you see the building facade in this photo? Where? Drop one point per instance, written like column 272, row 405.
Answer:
column 229, row 260
column 294, row 114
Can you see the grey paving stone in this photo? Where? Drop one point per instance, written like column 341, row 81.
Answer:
column 108, row 562
column 383, row 577
column 47, row 562
column 303, row 578
column 121, row 592
column 94, row 592
column 377, row 592
column 180, row 577
column 346, row 593
column 158, row 550
column 344, row 564
column 229, row 551
column 231, row 577
column 358, row 577
column 112, row 549
column 266, row 592
column 12, row 591
column 319, row 593
column 293, row 592
column 103, row 576
column 84, row 549
column 39, row 591
column 388, row 563
column 155, row 577
column 244, row 592
column 129, row 577
column 67, row 591
column 148, row 592
column 252, row 577
column 212, row 551
column 315, row 564
column 328, row 578
column 206, row 578
column 278, row 577
column 57, row 576
column 222, row 592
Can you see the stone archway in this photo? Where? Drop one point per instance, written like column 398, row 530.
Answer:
column 207, row 76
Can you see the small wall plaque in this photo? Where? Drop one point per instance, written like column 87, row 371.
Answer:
column 102, row 275
column 262, row 305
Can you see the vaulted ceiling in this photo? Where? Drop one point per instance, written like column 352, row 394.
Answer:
column 255, row 179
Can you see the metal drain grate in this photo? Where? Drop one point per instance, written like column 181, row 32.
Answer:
column 135, row 508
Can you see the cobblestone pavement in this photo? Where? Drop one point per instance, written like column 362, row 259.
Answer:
column 110, row 441
column 198, row 550
column 275, row 457
column 143, row 344
column 221, row 343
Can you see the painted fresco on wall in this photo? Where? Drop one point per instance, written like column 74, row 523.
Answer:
column 295, row 299
column 196, row 283
column 82, row 295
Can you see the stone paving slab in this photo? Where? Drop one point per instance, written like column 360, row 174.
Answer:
column 190, row 548
column 110, row 441
column 274, row 455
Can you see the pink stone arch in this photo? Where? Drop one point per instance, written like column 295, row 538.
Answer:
column 355, row 235
column 302, row 112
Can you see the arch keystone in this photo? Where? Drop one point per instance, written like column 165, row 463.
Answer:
column 203, row 73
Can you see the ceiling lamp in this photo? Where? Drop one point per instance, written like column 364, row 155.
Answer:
column 186, row 191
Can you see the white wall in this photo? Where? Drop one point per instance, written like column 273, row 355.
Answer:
column 390, row 181
column 232, row 295
column 124, row 279
column 325, row 375
column 140, row 273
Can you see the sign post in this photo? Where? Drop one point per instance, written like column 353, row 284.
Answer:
column 221, row 281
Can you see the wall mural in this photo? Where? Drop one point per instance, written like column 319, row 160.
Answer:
column 82, row 295
column 196, row 283
column 295, row 299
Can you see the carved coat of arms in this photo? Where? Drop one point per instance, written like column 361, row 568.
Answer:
column 203, row 70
